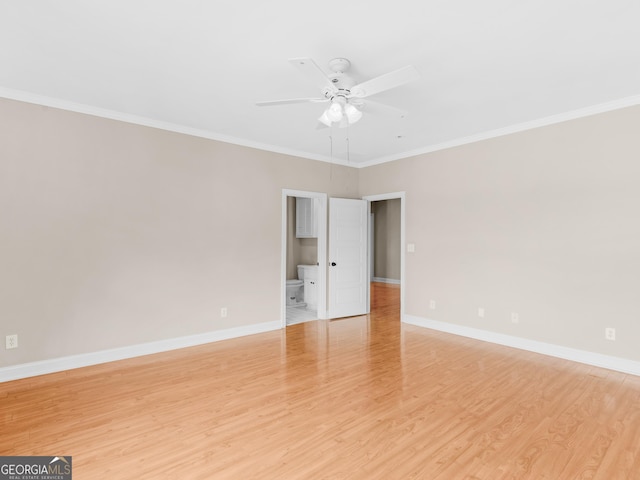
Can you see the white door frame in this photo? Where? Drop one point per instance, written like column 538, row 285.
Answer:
column 392, row 196
column 322, row 252
column 372, row 229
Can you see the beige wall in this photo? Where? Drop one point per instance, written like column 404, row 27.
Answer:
column 387, row 247
column 544, row 223
column 114, row 234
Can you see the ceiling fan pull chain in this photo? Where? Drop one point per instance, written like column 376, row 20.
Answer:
column 331, row 147
column 348, row 149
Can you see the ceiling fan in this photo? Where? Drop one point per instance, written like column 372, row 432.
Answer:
column 342, row 92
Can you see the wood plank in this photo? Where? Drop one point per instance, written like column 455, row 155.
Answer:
column 357, row 398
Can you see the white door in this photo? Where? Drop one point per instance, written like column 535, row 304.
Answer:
column 348, row 280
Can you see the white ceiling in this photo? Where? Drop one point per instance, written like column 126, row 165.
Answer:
column 487, row 67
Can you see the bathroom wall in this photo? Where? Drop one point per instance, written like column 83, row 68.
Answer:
column 300, row 251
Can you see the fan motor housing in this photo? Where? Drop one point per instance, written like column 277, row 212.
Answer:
column 339, row 65
column 339, row 78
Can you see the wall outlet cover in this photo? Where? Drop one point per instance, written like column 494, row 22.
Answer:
column 11, row 341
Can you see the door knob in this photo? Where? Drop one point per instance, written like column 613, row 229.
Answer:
column 333, row 264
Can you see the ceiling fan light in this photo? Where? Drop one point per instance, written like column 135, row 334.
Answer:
column 324, row 118
column 352, row 113
column 334, row 112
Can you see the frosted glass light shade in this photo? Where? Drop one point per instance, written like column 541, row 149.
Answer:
column 334, row 112
column 324, row 118
column 352, row 113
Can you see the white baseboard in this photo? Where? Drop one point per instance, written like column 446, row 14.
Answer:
column 16, row 372
column 386, row 280
column 581, row 356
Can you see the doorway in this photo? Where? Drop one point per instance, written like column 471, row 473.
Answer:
column 302, row 299
column 387, row 240
column 322, row 250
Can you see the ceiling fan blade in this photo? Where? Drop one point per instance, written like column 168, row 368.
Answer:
column 385, row 82
column 290, row 101
column 377, row 107
column 311, row 69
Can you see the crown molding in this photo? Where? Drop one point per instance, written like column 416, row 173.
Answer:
column 70, row 106
column 172, row 127
column 516, row 128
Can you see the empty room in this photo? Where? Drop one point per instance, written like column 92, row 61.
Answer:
column 275, row 240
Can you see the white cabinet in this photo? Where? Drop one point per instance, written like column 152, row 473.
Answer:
column 310, row 279
column 310, row 293
column 306, row 217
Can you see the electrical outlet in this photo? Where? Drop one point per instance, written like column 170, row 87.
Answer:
column 481, row 312
column 432, row 304
column 610, row 334
column 515, row 318
column 11, row 341
column 223, row 312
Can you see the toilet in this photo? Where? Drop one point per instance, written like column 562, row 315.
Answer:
column 301, row 293
column 294, row 293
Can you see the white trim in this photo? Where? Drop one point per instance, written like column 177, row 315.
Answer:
column 392, row 281
column 519, row 127
column 581, row 356
column 371, row 246
column 172, row 127
column 69, row 106
column 25, row 370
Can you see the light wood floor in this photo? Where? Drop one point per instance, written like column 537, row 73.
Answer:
column 357, row 398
